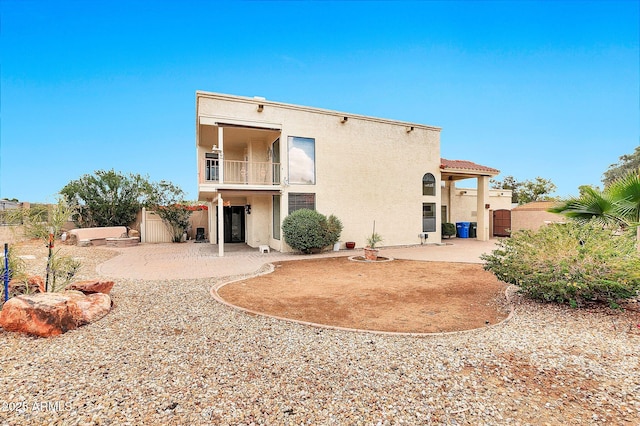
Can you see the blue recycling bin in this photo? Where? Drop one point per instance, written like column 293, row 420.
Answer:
column 462, row 229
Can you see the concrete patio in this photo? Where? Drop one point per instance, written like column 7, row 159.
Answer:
column 192, row 260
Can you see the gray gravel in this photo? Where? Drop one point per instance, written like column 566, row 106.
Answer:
column 169, row 354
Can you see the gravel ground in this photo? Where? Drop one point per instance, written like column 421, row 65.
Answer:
column 169, row 354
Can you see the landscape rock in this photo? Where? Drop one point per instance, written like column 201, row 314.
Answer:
column 71, row 239
column 92, row 286
column 40, row 314
column 33, row 284
column 51, row 314
column 93, row 306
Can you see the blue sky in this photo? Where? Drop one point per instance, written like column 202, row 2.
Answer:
column 543, row 88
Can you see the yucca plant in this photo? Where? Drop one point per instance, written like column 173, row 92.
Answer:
column 62, row 269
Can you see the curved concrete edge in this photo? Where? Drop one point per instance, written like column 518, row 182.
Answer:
column 214, row 294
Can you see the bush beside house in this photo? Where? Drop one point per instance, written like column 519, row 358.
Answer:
column 308, row 230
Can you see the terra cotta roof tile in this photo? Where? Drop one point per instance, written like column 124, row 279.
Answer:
column 465, row 165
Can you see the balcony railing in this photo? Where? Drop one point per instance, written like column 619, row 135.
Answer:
column 242, row 172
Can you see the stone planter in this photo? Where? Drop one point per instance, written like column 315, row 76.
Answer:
column 370, row 254
column 122, row 242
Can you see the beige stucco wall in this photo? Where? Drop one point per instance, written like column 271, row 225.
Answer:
column 11, row 234
column 533, row 219
column 258, row 222
column 463, row 205
column 366, row 169
column 198, row 219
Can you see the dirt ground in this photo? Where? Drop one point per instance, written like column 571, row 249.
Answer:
column 399, row 296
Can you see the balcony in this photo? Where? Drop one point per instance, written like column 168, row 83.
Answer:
column 240, row 172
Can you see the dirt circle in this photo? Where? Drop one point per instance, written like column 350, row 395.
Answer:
column 400, row 296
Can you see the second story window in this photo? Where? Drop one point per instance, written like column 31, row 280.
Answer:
column 302, row 161
column 212, row 166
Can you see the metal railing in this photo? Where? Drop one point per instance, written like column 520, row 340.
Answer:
column 242, row 172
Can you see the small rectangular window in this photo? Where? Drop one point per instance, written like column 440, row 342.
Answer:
column 276, row 217
column 428, row 217
column 301, row 201
column 212, row 166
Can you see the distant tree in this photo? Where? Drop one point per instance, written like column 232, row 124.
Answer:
column 168, row 202
column 584, row 189
column 626, row 164
column 526, row 191
column 110, row 198
column 107, row 198
column 509, row 182
column 537, row 190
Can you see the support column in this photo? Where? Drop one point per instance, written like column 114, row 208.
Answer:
column 210, row 222
column 220, row 154
column 452, row 199
column 220, row 226
column 483, row 211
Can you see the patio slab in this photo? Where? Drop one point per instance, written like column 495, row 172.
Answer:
column 192, row 260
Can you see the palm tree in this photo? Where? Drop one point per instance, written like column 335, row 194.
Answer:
column 592, row 204
column 618, row 205
column 626, row 192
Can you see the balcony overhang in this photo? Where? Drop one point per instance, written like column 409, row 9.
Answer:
column 234, row 122
column 210, row 191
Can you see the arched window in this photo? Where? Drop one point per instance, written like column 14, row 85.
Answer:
column 428, row 184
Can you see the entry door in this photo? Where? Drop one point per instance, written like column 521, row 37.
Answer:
column 502, row 223
column 234, row 224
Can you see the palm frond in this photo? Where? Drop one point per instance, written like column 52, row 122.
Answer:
column 626, row 192
column 591, row 205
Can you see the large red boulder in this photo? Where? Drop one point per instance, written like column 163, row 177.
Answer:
column 92, row 286
column 40, row 314
column 93, row 306
column 51, row 314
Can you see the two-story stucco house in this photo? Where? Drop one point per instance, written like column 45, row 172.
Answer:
column 259, row 160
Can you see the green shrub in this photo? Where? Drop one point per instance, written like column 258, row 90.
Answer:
column 306, row 229
column 448, row 229
column 569, row 263
column 334, row 229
